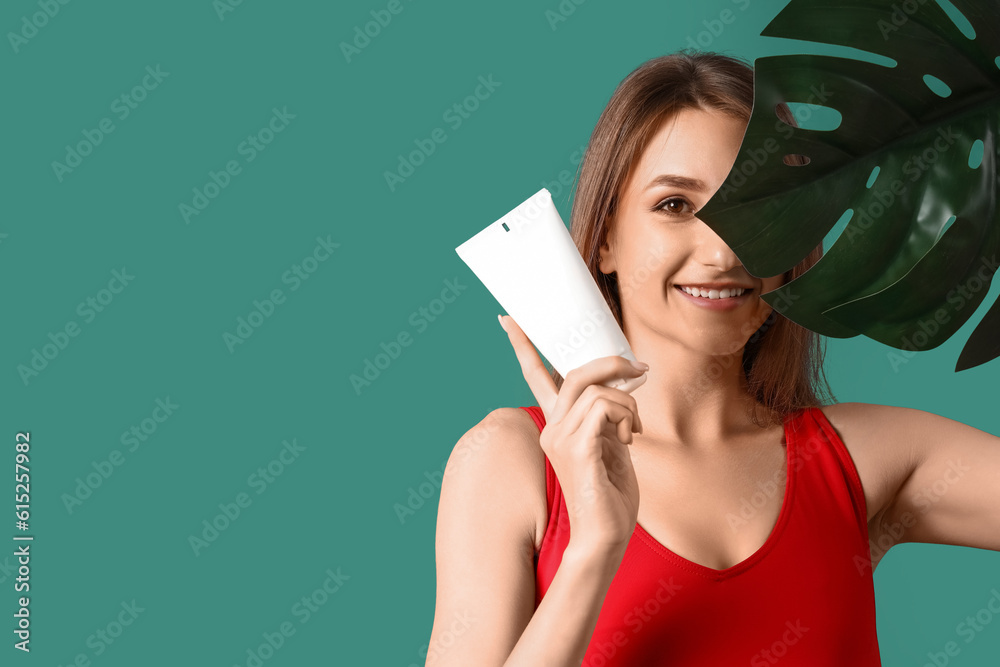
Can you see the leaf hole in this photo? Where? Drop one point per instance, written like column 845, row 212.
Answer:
column 976, row 154
column 958, row 18
column 944, row 227
column 937, row 86
column 796, row 160
column 872, row 177
column 811, row 116
column 837, row 229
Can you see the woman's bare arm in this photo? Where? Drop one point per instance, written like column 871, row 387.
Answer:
column 491, row 509
column 561, row 628
column 940, row 476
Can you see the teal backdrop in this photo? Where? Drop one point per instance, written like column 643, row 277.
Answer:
column 201, row 248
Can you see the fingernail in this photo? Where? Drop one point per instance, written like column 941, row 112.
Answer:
column 640, row 365
column 500, row 320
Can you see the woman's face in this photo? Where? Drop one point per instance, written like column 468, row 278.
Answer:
column 656, row 244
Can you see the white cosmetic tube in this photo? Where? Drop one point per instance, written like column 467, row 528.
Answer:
column 529, row 263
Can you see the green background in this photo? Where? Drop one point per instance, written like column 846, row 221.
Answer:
column 364, row 451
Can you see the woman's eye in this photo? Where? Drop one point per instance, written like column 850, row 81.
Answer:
column 676, row 206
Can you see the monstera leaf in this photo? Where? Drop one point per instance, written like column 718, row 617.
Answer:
column 912, row 165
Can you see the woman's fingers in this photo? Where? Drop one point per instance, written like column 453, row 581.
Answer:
column 601, row 415
column 594, row 374
column 556, row 403
column 534, row 371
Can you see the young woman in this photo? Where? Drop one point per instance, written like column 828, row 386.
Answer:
column 763, row 512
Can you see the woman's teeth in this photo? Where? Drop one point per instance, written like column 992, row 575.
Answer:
column 714, row 293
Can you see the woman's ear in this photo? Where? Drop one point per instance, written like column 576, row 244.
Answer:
column 606, row 262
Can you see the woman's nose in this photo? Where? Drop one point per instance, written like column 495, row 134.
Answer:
column 711, row 250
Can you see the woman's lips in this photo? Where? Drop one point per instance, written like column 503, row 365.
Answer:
column 728, row 303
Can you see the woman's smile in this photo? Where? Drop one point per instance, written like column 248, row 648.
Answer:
column 719, row 303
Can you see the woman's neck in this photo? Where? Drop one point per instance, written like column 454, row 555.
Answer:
column 693, row 398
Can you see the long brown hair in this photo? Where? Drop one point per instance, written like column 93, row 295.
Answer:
column 782, row 360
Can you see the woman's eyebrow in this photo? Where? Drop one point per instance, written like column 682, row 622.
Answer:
column 683, row 182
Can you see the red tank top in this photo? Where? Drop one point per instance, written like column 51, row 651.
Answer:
column 806, row 597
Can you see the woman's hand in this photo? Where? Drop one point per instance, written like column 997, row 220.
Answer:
column 587, row 426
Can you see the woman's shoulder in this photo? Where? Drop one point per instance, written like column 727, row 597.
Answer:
column 500, row 458
column 871, row 433
column 865, row 420
column 874, row 430
column 514, row 426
